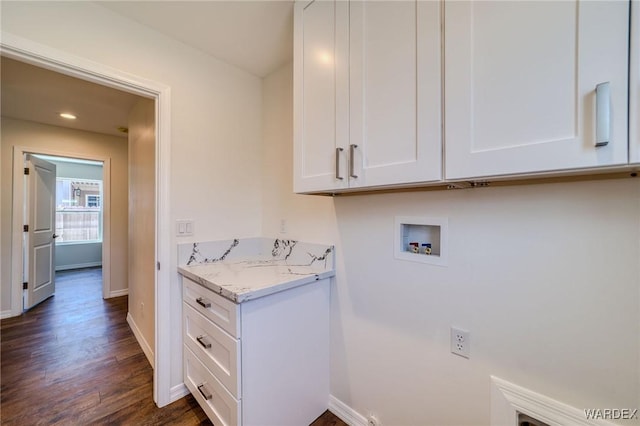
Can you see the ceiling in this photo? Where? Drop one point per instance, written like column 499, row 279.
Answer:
column 256, row 36
column 36, row 94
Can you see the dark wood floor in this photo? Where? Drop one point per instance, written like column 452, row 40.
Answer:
column 73, row 360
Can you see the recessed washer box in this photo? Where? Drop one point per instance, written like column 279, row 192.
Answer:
column 424, row 231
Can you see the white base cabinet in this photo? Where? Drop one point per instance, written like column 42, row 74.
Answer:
column 262, row 362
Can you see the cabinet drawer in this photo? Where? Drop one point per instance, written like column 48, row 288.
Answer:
column 221, row 311
column 221, row 407
column 217, row 350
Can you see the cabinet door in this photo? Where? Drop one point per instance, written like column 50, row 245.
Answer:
column 634, row 88
column 320, row 95
column 520, row 85
column 395, row 86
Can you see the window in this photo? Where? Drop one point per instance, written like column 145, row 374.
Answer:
column 93, row 201
column 78, row 210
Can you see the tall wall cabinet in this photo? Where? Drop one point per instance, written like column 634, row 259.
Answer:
column 526, row 88
column 367, row 96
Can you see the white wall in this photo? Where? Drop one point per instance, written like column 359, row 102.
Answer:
column 77, row 170
column 215, row 119
column 78, row 255
column 545, row 277
column 33, row 135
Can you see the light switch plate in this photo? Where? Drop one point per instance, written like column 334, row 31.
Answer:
column 184, row 228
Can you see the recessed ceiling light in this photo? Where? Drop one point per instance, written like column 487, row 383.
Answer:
column 68, row 116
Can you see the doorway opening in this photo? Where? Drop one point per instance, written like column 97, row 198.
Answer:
column 159, row 95
column 78, row 200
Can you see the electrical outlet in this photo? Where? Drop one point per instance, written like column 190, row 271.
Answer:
column 460, row 342
column 283, row 226
column 372, row 420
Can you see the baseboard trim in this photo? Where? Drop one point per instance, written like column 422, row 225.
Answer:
column 118, row 293
column 346, row 413
column 178, row 391
column 78, row 266
column 141, row 340
column 7, row 314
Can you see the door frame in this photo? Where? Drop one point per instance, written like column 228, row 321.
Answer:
column 37, row 54
column 18, row 205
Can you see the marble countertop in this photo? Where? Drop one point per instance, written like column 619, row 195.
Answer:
column 242, row 270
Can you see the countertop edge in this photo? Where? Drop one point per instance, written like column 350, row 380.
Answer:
column 258, row 293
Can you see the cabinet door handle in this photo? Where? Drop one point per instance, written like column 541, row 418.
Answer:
column 338, row 151
column 352, row 150
column 203, row 302
column 204, row 341
column 205, row 392
column 603, row 114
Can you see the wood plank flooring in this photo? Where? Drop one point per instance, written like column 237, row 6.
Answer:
column 72, row 360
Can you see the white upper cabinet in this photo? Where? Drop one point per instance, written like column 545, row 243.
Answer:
column 634, row 88
column 520, row 86
column 395, row 93
column 321, row 97
column 367, row 94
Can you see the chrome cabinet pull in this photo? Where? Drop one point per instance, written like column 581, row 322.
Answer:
column 204, row 341
column 203, row 302
column 338, row 151
column 352, row 149
column 603, row 114
column 205, row 392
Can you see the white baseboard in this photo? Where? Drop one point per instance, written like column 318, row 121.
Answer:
column 7, row 314
column 78, row 266
column 141, row 340
column 118, row 293
column 346, row 413
column 178, row 391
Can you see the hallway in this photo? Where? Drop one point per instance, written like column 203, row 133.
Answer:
column 74, row 360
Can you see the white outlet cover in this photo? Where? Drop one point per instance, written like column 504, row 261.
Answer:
column 460, row 342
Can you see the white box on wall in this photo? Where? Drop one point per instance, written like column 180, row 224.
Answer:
column 423, row 230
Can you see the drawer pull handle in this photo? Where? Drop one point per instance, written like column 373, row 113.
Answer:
column 205, row 392
column 203, row 302
column 204, row 341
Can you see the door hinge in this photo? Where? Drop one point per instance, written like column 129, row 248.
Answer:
column 25, row 285
column 158, row 264
column 25, row 228
column 26, row 170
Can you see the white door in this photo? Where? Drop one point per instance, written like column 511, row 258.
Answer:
column 321, row 98
column 40, row 238
column 520, row 86
column 395, row 92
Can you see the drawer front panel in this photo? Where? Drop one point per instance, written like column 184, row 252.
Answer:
column 221, row 407
column 217, row 350
column 221, row 311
